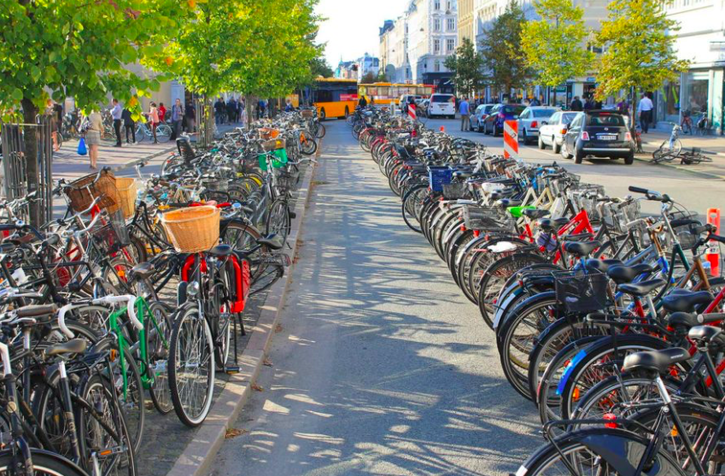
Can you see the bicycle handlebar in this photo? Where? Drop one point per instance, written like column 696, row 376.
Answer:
column 130, row 300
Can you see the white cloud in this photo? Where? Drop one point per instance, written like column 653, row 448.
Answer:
column 352, row 26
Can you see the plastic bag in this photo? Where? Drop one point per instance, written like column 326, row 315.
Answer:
column 82, row 150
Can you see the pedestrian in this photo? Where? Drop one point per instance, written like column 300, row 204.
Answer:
column 289, row 107
column 56, row 122
column 93, row 136
column 129, row 124
column 464, row 111
column 162, row 112
column 231, row 109
column 154, row 118
column 576, row 104
column 261, row 106
column 190, row 118
column 645, row 112
column 534, row 102
column 219, row 110
column 242, row 109
column 362, row 102
column 177, row 115
column 116, row 112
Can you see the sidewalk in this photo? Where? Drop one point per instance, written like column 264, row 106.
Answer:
column 711, row 146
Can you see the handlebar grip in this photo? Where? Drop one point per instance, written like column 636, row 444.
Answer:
column 638, row 189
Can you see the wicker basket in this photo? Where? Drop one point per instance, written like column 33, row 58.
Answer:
column 83, row 191
column 192, row 230
column 127, row 192
column 268, row 133
column 307, row 114
column 270, row 145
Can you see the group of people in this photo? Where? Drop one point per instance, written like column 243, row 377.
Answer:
column 230, row 112
column 589, row 104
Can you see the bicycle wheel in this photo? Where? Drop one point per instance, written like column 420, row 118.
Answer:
column 163, row 132
column 412, row 202
column 321, row 131
column 44, row 463
column 158, row 332
column 309, row 146
column 278, row 219
column 191, row 366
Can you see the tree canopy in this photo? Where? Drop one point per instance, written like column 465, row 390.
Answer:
column 466, row 66
column 554, row 44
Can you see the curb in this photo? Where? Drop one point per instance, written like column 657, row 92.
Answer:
column 682, row 169
column 198, row 455
column 143, row 160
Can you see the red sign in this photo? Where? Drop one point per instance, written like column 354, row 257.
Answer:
column 348, row 97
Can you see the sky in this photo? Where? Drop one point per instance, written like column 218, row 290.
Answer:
column 351, row 28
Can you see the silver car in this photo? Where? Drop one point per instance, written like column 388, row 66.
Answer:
column 479, row 115
column 551, row 134
column 531, row 119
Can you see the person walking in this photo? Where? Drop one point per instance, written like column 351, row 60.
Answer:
column 177, row 115
column 464, row 111
column 116, row 113
column 154, row 119
column 190, row 118
column 219, row 110
column 645, row 112
column 93, row 136
column 129, row 124
column 576, row 104
column 231, row 109
column 162, row 112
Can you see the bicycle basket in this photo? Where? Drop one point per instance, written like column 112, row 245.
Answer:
column 454, row 191
column 280, row 159
column 687, row 236
column 112, row 236
column 439, row 176
column 83, row 191
column 213, row 184
column 479, row 218
column 580, row 292
column 288, row 180
column 192, row 230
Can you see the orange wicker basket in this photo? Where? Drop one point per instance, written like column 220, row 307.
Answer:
column 127, row 192
column 270, row 145
column 268, row 133
column 83, row 191
column 307, row 114
column 192, row 230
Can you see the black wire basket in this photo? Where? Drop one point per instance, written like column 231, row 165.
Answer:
column 110, row 237
column 454, row 191
column 580, row 292
column 288, row 180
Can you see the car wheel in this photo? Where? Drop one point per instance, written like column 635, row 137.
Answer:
column 629, row 160
column 578, row 157
column 564, row 153
column 542, row 146
column 554, row 146
column 323, row 114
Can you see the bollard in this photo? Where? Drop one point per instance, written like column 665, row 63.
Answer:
column 511, row 139
column 443, row 128
column 713, row 251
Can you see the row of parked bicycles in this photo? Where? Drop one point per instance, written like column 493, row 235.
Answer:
column 135, row 298
column 609, row 321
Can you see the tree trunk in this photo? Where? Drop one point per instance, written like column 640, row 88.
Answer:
column 30, row 137
column 250, row 110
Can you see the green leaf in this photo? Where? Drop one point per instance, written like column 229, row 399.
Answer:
column 17, row 94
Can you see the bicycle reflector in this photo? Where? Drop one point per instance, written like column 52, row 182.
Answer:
column 611, row 418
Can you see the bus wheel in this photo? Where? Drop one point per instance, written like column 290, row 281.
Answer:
column 347, row 112
column 323, row 115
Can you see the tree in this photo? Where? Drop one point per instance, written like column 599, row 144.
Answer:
column 368, row 78
column 638, row 48
column 501, row 50
column 320, row 67
column 554, row 45
column 382, row 77
column 77, row 48
column 466, row 66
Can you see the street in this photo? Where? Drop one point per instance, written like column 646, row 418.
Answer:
column 382, row 366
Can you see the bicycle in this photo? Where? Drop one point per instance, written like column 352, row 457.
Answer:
column 670, row 148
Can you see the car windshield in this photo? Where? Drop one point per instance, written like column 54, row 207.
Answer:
column 440, row 98
column 567, row 117
column 488, row 108
column 544, row 112
column 606, row 120
column 515, row 110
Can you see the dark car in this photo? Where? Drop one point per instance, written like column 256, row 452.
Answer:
column 598, row 134
column 493, row 124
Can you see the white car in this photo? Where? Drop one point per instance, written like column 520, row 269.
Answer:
column 531, row 119
column 442, row 105
column 552, row 133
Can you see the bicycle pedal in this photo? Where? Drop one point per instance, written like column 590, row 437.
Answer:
column 232, row 369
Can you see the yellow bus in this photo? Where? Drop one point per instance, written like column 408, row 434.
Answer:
column 334, row 97
column 386, row 93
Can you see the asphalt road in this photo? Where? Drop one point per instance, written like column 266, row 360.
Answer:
column 696, row 192
column 382, row 366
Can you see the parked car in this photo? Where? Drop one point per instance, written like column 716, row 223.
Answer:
column 479, row 116
column 442, row 105
column 531, row 119
column 493, row 124
column 405, row 98
column 552, row 132
column 598, row 134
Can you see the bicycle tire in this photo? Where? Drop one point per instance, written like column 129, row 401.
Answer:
column 279, row 219
column 44, row 463
column 188, row 323
column 158, row 355
column 163, row 133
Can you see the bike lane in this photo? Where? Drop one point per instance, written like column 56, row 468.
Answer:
column 381, row 366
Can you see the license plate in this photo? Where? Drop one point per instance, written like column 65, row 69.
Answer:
column 607, row 137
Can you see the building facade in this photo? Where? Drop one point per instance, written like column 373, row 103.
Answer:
column 367, row 64
column 699, row 92
column 413, row 48
column 465, row 20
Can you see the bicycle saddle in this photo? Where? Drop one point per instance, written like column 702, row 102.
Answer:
column 534, row 213
column 687, row 319
column 658, row 361
column 582, row 249
column 36, row 311
column 142, row 271
column 641, row 289
column 626, row 274
column 73, row 346
column 509, row 202
column 685, row 301
column 601, row 264
column 704, row 335
column 220, row 251
column 272, row 241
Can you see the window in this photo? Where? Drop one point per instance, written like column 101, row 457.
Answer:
column 437, row 5
column 451, row 24
column 436, row 46
column 448, row 5
column 450, row 45
column 437, row 66
column 437, row 24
